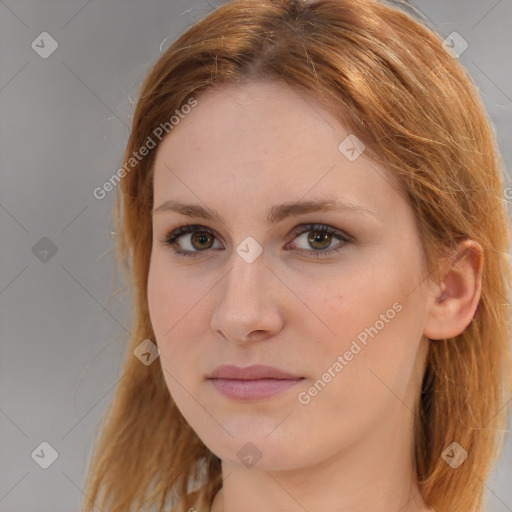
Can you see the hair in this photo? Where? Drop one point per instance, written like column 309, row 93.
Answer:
column 388, row 79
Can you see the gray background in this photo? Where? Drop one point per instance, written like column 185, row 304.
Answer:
column 63, row 126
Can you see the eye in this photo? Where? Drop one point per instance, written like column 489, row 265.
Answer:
column 317, row 243
column 320, row 237
column 198, row 239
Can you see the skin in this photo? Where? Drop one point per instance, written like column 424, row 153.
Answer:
column 242, row 150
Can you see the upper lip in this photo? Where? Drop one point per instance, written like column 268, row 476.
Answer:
column 258, row 371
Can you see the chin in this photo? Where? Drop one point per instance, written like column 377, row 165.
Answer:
column 259, row 451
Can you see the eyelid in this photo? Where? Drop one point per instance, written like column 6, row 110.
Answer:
column 305, row 227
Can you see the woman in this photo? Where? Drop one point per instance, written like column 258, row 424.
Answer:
column 311, row 212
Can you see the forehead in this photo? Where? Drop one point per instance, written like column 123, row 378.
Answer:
column 263, row 141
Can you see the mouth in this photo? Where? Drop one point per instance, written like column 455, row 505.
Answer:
column 252, row 383
column 256, row 389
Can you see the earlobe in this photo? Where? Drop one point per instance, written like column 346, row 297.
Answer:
column 454, row 301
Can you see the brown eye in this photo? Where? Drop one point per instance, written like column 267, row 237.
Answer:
column 191, row 240
column 315, row 240
column 203, row 240
column 319, row 239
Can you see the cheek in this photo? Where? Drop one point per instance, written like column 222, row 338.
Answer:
column 356, row 383
column 355, row 301
column 165, row 311
column 174, row 303
column 158, row 299
column 378, row 339
column 170, row 303
column 371, row 308
column 169, row 296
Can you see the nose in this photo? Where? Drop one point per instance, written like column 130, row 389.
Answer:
column 249, row 302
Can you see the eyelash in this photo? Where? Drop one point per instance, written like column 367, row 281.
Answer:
column 171, row 238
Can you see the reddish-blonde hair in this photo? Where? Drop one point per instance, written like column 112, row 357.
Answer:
column 389, row 80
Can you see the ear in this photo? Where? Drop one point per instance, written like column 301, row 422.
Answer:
column 453, row 302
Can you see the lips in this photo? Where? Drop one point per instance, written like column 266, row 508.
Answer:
column 252, row 383
column 251, row 373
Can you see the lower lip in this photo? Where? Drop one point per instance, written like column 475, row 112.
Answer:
column 246, row 390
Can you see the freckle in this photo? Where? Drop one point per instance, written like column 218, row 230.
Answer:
column 332, row 298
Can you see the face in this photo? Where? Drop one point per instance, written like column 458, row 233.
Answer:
column 333, row 297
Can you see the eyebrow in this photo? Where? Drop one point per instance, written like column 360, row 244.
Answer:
column 275, row 214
